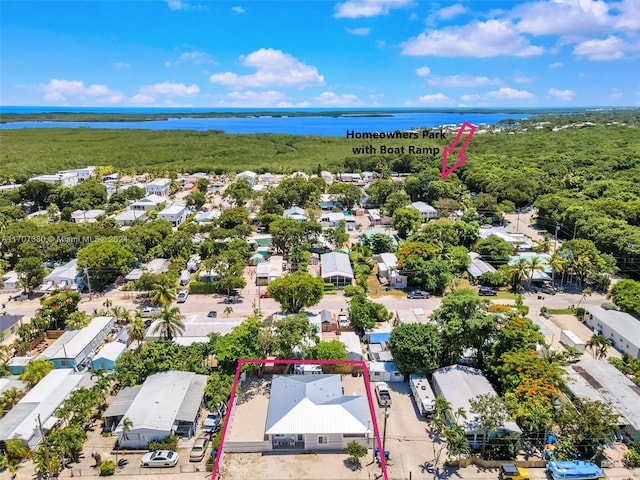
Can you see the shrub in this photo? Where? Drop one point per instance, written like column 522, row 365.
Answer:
column 107, row 468
column 169, row 443
column 580, row 312
column 204, row 287
column 505, row 447
column 609, row 306
column 356, row 451
column 351, row 290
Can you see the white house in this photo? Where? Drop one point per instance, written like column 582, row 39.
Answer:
column 64, row 277
column 332, row 219
column 310, row 412
column 352, row 343
column 86, row 216
column 327, row 177
column 196, row 329
column 247, row 175
column 427, row 212
column 75, row 347
column 39, row 404
column 63, row 179
column 270, row 270
column 159, row 186
column 388, row 271
column 175, row 214
column 166, row 403
column 127, row 217
column 296, row 213
column 10, row 282
column 336, row 269
column 81, row 173
column 150, row 202
column 329, row 202
column 620, row 328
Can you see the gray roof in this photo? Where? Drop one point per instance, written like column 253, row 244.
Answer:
column 192, row 400
column 122, row 402
column 335, row 263
column 314, row 404
column 478, row 266
column 7, row 383
column 623, row 324
column 544, row 330
column 7, row 321
column 614, row 387
column 458, row 384
column 73, row 342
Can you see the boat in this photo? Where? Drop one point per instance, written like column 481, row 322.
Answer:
column 575, row 470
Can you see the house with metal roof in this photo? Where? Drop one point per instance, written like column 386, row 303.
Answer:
column 459, row 384
column 106, row 358
column 9, row 324
column 310, row 412
column 196, row 329
column 75, row 347
column 336, row 269
column 148, row 203
column 166, row 403
column 620, row 328
column 478, row 266
column 427, row 212
column 175, row 214
column 39, row 405
column 159, row 186
column 384, row 372
column 127, row 217
column 63, row 277
column 352, row 344
column 599, row 380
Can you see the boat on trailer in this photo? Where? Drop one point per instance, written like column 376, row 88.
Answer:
column 575, row 470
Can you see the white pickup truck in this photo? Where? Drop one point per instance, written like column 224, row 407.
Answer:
column 383, row 395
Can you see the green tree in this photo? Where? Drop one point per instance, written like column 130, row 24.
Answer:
column 77, row 320
column 598, row 344
column 396, row 201
column 239, row 192
column 196, row 199
column 35, row 371
column 170, row 324
column 332, row 350
column 379, row 242
column 337, row 236
column 30, row 272
column 163, row 294
column 416, row 348
column 136, row 330
column 293, row 334
column 9, row 399
column 626, row 294
column 495, row 250
column 57, row 307
column 218, row 388
column 490, row 414
column 296, row 291
column 347, row 194
column 104, row 261
column 406, row 221
column 356, row 451
column 534, row 264
column 285, row 233
column 363, row 313
column 517, row 272
column 203, row 185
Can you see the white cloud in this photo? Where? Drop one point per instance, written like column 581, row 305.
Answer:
column 556, row 65
column 611, row 48
column 60, row 90
column 615, row 94
column 198, row 58
column 333, row 100
column 478, row 39
column 238, row 9
column 563, row 17
column 121, row 65
column 507, row 93
column 360, row 32
column 273, row 68
column 470, row 98
column 249, row 98
column 629, row 18
column 463, row 81
column 142, row 99
column 367, row 8
column 423, row 71
column 448, row 13
column 432, row 99
column 177, row 5
column 565, row 95
column 171, row 89
column 522, row 78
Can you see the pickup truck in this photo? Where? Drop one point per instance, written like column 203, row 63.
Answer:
column 510, row 471
column 383, row 395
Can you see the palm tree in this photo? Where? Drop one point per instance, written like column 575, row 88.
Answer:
column 170, row 323
column 557, row 264
column 517, row 273
column 228, row 310
column 534, row 264
column 585, row 293
column 10, row 398
column 163, row 295
column 122, row 314
column 107, row 303
column 136, row 331
column 598, row 344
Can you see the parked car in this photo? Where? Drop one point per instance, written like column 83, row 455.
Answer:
column 182, row 296
column 160, row 458
column 487, row 292
column 510, row 471
column 382, row 392
column 418, row 294
column 212, row 314
column 214, row 418
column 264, row 295
column 199, row 449
column 150, row 312
column 545, row 315
column 547, row 290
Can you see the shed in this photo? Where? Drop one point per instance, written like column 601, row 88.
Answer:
column 108, row 355
column 384, row 372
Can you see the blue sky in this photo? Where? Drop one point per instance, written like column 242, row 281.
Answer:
column 353, row 53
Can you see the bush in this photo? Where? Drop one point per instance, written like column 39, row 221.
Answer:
column 204, row 287
column 505, row 447
column 609, row 306
column 580, row 312
column 107, row 468
column 215, row 443
column 169, row 443
column 356, row 451
column 351, row 290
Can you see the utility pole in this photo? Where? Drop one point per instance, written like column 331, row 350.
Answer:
column 384, row 430
column 555, row 246
column 518, row 221
column 44, row 441
column 86, row 272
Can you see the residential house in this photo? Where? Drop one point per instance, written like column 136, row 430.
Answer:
column 167, row 403
column 478, row 266
column 207, row 217
column 310, row 412
column 458, row 385
column 174, row 214
column 66, row 180
column 10, row 282
column 196, row 329
column 336, row 268
column 378, row 231
column 296, row 213
column 87, row 216
column 544, row 329
column 599, row 380
column 157, row 265
column 106, row 358
column 127, row 217
column 81, row 173
column 65, row 277
column 388, row 271
column 384, row 372
column 269, row 270
column 17, row 365
column 334, row 219
column 38, row 407
column 427, row 212
column 9, row 324
column 247, row 175
column 622, row 330
column 411, row 315
column 74, row 348
column 329, row 202
column 159, row 186
column 349, row 177
column 148, row 203
column 327, row 177
column 518, row 241
column 352, row 343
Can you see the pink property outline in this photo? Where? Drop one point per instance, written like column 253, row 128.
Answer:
column 236, row 380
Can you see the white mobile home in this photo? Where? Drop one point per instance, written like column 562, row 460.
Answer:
column 620, row 328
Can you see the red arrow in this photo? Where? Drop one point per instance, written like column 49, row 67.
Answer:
column 451, row 149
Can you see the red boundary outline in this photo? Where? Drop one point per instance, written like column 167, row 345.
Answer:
column 236, row 380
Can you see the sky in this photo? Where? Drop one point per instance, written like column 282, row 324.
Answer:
column 323, row 54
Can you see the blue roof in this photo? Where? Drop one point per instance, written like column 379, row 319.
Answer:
column 379, row 337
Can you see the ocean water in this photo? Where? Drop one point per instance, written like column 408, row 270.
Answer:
column 308, row 125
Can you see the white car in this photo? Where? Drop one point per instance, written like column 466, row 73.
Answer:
column 160, row 458
column 182, row 296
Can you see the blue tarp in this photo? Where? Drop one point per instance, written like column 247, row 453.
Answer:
column 577, row 470
column 379, row 337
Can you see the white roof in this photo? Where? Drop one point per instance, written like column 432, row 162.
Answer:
column 130, row 215
column 68, row 271
column 159, row 402
column 352, row 342
column 90, row 214
column 423, row 207
column 43, row 400
column 623, row 324
column 152, row 199
column 459, row 384
column 197, row 326
column 314, row 404
column 478, row 266
column 159, row 182
column 335, row 263
column 389, row 260
column 173, row 210
column 73, row 342
column 111, row 351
